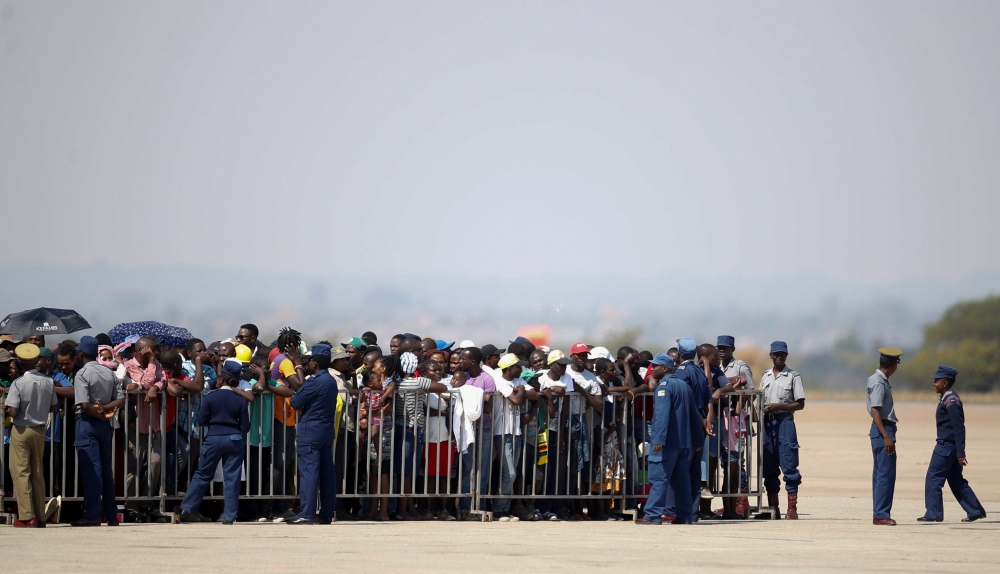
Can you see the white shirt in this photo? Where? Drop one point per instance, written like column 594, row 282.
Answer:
column 546, row 382
column 437, row 425
column 506, row 415
column 589, row 382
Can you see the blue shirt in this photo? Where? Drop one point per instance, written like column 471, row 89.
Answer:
column 676, row 421
column 188, row 404
column 224, row 413
column 692, row 373
column 950, row 418
column 316, row 400
column 57, row 417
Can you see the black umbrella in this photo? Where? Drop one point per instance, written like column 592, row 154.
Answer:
column 43, row 321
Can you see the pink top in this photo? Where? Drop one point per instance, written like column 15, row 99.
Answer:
column 151, row 376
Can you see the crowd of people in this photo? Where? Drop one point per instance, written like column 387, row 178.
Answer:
column 525, row 432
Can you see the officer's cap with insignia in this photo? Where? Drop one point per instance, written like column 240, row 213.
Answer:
column 890, row 353
column 663, row 360
column 946, row 372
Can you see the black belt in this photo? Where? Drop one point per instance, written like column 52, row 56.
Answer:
column 886, row 423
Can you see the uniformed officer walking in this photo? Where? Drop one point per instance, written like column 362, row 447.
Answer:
column 783, row 395
column 883, row 436
column 949, row 454
column 316, row 401
column 676, row 421
column 98, row 395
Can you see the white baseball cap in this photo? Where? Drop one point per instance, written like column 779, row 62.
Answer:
column 599, row 353
column 466, row 344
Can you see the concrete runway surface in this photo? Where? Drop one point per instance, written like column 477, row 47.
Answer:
column 834, row 533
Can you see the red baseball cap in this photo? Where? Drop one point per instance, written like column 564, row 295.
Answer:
column 579, row 348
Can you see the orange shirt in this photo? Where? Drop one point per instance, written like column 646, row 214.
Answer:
column 283, row 410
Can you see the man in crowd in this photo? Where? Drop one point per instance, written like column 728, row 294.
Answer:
column 99, row 396
column 471, row 373
column 30, row 399
column 247, row 335
column 146, row 375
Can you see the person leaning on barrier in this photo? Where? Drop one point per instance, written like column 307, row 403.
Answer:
column 949, row 454
column 783, row 395
column 29, row 401
column 676, row 421
column 99, row 396
column 737, row 372
column 225, row 414
column 316, row 402
column 880, row 407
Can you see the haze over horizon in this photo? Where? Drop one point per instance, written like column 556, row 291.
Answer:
column 801, row 171
column 858, row 140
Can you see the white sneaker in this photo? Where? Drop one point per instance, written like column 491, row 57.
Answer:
column 503, row 519
column 513, row 518
column 262, row 519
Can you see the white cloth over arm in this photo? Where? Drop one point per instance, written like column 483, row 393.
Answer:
column 468, row 409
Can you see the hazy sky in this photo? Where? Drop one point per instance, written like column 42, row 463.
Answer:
column 861, row 140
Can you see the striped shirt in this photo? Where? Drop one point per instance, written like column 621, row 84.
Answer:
column 410, row 404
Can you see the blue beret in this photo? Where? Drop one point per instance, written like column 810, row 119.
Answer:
column 687, row 347
column 726, row 341
column 88, row 346
column 662, row 359
column 779, row 347
column 321, row 349
column 945, row 372
column 232, row 367
column 520, row 340
column 410, row 336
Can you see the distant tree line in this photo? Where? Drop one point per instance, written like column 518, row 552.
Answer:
column 966, row 337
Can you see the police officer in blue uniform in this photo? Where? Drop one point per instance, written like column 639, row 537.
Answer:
column 694, row 375
column 316, row 401
column 98, row 396
column 883, row 435
column 676, row 421
column 949, row 454
column 783, row 396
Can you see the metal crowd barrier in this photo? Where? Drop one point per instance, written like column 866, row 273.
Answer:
column 560, row 453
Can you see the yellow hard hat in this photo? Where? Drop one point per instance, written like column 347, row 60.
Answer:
column 243, row 354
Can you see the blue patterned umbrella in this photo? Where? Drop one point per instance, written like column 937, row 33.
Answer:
column 170, row 335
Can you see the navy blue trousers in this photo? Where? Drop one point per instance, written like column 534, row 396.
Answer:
column 318, row 479
column 679, row 505
column 671, row 473
column 228, row 449
column 93, row 447
column 781, row 453
column 883, row 474
column 944, row 466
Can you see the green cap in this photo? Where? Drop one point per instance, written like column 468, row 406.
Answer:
column 45, row 352
column 357, row 342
